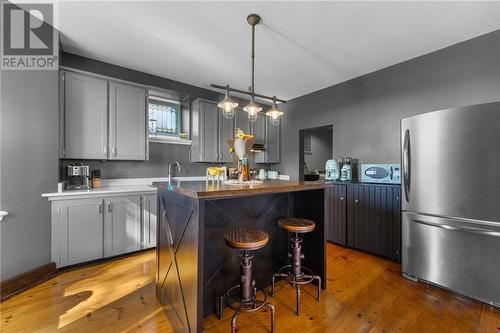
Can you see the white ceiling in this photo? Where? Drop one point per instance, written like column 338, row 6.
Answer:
column 300, row 46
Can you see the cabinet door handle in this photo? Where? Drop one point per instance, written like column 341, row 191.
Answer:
column 356, row 201
column 105, row 150
column 113, row 151
column 342, row 198
column 100, row 207
column 109, row 206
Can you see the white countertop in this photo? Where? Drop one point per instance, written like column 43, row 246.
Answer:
column 102, row 191
column 111, row 187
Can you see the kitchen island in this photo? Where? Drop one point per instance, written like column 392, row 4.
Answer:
column 194, row 266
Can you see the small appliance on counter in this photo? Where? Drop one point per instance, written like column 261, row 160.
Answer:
column 273, row 175
column 262, row 174
column 332, row 170
column 79, row 177
column 381, row 173
column 346, row 171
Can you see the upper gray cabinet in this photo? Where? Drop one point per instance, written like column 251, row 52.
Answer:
column 258, row 129
column 102, row 119
column 241, row 119
column 273, row 135
column 210, row 131
column 204, row 131
column 226, row 131
column 127, row 122
column 85, row 117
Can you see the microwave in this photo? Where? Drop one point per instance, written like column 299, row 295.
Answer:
column 381, row 173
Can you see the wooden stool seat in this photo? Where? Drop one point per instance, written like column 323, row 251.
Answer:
column 298, row 225
column 246, row 238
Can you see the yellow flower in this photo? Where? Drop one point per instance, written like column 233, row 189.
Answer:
column 240, row 134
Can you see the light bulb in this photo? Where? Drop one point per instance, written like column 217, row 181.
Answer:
column 228, row 112
column 252, row 116
column 275, row 118
column 253, row 109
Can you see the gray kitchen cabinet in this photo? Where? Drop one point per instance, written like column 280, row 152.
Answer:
column 122, row 225
column 85, row 229
column 241, row 119
column 226, row 131
column 204, row 131
column 85, row 117
column 77, row 231
column 127, row 122
column 258, row 130
column 273, row 136
column 149, row 204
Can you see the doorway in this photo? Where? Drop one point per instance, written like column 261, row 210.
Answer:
column 315, row 148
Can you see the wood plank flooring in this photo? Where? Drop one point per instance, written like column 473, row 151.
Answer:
column 365, row 294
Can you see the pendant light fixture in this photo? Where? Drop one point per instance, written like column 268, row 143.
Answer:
column 274, row 113
column 228, row 105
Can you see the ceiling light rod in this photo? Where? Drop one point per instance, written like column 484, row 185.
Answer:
column 216, row 86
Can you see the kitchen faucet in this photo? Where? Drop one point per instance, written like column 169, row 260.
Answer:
column 179, row 169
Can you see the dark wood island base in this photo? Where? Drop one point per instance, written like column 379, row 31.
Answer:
column 195, row 266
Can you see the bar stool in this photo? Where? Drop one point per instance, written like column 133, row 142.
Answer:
column 243, row 297
column 296, row 274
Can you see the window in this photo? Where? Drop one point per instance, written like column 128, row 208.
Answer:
column 164, row 117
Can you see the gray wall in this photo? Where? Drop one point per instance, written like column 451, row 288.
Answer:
column 366, row 111
column 28, row 167
column 321, row 147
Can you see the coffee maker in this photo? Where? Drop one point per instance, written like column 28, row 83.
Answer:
column 78, row 177
column 332, row 170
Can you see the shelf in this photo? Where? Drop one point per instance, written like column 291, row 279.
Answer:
column 171, row 140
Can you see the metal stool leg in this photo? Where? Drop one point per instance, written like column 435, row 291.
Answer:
column 273, row 314
column 233, row 321
column 272, row 285
column 317, row 278
column 298, row 299
column 220, row 310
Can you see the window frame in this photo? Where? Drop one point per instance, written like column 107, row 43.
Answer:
column 169, row 102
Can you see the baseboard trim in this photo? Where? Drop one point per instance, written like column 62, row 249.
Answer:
column 26, row 280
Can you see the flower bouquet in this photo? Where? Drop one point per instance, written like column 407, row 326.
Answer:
column 241, row 145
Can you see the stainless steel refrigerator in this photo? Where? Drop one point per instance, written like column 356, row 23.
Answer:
column 451, row 200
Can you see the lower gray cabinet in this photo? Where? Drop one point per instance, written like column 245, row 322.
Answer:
column 77, row 231
column 122, row 225
column 149, row 203
column 85, row 229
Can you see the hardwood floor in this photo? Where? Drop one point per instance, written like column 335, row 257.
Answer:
column 365, row 294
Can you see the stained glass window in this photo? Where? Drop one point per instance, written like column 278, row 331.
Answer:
column 163, row 118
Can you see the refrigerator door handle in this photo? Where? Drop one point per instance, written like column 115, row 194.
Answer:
column 407, row 165
column 457, row 228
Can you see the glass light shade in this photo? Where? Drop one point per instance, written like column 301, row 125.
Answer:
column 252, row 108
column 228, row 105
column 274, row 114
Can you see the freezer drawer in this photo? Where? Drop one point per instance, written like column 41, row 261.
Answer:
column 461, row 255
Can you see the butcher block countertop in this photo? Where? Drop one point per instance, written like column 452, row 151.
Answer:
column 210, row 190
